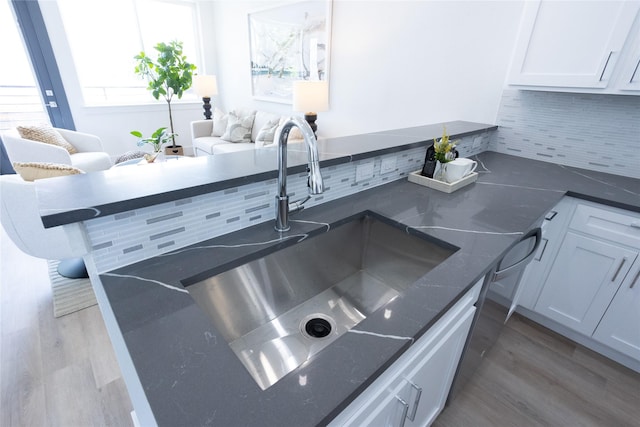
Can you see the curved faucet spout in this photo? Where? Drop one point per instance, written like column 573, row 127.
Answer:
column 315, row 183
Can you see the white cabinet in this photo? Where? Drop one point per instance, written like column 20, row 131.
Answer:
column 620, row 325
column 583, row 279
column 414, row 389
column 582, row 46
column 591, row 283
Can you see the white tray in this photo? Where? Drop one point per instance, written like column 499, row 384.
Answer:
column 416, row 178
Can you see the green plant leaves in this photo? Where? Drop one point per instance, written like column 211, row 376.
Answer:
column 171, row 74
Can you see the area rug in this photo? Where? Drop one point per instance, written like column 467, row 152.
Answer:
column 69, row 295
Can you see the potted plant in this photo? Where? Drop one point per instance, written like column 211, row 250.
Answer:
column 157, row 140
column 169, row 75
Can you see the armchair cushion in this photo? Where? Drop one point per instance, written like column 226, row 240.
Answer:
column 39, row 170
column 46, row 134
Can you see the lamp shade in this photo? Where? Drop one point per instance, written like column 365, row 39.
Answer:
column 310, row 96
column 205, row 86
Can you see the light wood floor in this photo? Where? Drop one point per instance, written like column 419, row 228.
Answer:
column 62, row 372
column 53, row 371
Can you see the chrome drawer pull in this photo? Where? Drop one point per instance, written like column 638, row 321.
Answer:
column 615, row 276
column 416, row 401
column 405, row 409
column 635, row 224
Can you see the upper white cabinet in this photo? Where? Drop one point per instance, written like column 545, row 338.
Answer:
column 581, row 46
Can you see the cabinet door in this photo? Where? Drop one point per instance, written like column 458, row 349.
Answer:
column 629, row 79
column 620, row 326
column 430, row 381
column 571, row 43
column 583, row 279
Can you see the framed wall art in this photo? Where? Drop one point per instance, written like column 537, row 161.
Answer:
column 288, row 43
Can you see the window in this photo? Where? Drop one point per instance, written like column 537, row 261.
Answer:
column 105, row 36
column 20, row 102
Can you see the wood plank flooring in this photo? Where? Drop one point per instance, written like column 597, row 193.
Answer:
column 62, row 372
column 53, row 371
column 535, row 377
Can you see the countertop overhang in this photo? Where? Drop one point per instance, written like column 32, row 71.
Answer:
column 65, row 200
column 191, row 376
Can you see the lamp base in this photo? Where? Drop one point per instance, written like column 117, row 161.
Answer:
column 311, row 119
column 207, row 108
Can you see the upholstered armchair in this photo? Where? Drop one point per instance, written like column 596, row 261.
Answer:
column 90, row 155
column 21, row 220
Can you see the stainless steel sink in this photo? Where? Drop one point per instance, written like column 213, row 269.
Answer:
column 276, row 312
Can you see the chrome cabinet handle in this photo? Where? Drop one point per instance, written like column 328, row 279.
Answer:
column 635, row 224
column 405, row 409
column 635, row 279
column 605, row 65
column 635, row 70
column 544, row 247
column 613, row 279
column 501, row 273
column 416, row 401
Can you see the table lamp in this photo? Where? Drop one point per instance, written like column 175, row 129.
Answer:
column 205, row 87
column 310, row 97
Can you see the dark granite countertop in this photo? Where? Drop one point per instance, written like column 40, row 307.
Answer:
column 191, row 376
column 70, row 199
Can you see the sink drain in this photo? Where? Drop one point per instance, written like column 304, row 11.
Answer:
column 317, row 327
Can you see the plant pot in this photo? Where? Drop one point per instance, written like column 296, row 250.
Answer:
column 173, row 150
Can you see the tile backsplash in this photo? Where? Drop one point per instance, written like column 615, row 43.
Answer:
column 590, row 131
column 124, row 238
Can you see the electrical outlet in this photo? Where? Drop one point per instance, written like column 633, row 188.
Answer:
column 388, row 165
column 364, row 171
column 476, row 142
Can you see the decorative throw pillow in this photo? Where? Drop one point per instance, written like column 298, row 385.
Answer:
column 268, row 131
column 46, row 134
column 219, row 122
column 239, row 127
column 39, row 170
column 130, row 155
column 295, row 134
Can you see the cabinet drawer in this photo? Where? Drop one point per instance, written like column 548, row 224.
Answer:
column 616, row 225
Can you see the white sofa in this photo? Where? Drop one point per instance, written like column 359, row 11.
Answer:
column 206, row 144
column 90, row 157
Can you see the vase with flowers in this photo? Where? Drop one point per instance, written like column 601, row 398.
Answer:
column 445, row 152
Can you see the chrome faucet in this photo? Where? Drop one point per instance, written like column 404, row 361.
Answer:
column 315, row 183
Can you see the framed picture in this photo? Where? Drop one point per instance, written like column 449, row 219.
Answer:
column 288, row 43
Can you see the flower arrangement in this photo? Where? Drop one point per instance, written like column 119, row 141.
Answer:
column 444, row 148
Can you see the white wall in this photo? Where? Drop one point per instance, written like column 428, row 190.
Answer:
column 393, row 63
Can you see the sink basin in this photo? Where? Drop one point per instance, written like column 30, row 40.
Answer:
column 278, row 311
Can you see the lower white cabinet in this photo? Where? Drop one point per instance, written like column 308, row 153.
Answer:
column 413, row 391
column 583, row 280
column 587, row 283
column 620, row 325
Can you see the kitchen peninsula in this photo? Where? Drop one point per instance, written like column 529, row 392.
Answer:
column 150, row 228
